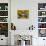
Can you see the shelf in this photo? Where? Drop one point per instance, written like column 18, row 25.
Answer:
column 41, row 22
column 41, row 28
column 3, row 10
column 3, row 22
column 42, row 16
column 41, row 10
column 3, row 16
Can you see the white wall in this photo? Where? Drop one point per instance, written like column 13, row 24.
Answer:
column 23, row 25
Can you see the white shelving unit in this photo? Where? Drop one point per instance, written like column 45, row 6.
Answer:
column 42, row 17
column 4, row 20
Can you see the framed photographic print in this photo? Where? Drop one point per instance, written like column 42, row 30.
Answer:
column 23, row 14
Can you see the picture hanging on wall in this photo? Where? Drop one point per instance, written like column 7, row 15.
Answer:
column 23, row 14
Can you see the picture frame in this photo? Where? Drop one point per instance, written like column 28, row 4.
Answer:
column 23, row 14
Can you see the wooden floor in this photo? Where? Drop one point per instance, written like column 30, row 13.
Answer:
column 3, row 45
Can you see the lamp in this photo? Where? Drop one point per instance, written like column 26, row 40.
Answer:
column 25, row 37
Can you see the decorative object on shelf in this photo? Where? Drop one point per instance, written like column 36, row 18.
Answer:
column 0, row 7
column 31, row 27
column 4, row 29
column 13, row 27
column 3, row 6
column 41, row 19
column 3, row 19
column 3, row 13
column 41, row 6
column 42, row 32
column 23, row 14
column 6, row 7
column 41, row 13
column 41, row 25
column 4, row 26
